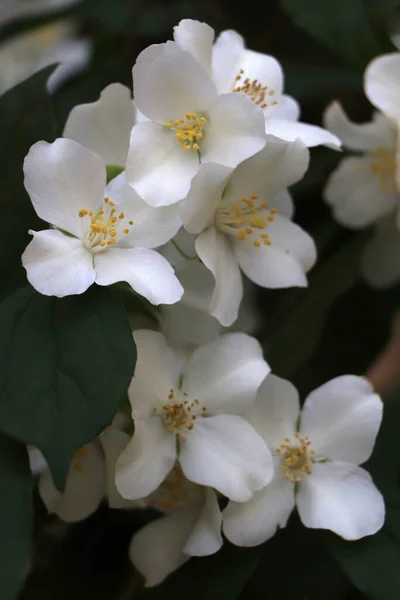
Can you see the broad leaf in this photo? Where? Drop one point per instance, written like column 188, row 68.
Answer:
column 65, row 366
column 15, row 516
column 342, row 26
column 25, row 118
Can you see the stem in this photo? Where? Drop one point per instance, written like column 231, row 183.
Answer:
column 182, row 252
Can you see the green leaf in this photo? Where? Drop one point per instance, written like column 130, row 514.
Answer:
column 15, row 516
column 65, row 366
column 341, row 26
column 25, row 118
column 113, row 171
column 294, row 341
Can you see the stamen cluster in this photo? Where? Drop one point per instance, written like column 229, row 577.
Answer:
column 180, row 415
column 255, row 90
column 243, row 219
column 103, row 228
column 188, row 131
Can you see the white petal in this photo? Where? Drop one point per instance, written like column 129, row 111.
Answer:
column 310, row 135
column 226, row 373
column 227, row 55
column 285, row 262
column 85, row 488
column 342, row 418
column 197, row 38
column 216, row 252
column 381, row 84
column 357, row 196
column 169, row 82
column 279, row 165
column 157, row 549
column 156, row 372
column 157, row 168
column 287, row 108
column 235, row 130
column 341, row 497
column 58, row 265
column 73, row 56
column 381, row 260
column 113, row 443
column 104, row 126
column 226, row 453
column 152, row 227
column 147, row 459
column 146, row 271
column 380, row 132
column 276, row 410
column 206, row 538
column 253, row 522
column 62, row 178
column 283, row 203
column 263, row 68
column 199, row 207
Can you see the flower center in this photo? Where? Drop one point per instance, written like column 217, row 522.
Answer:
column 259, row 94
column 246, row 218
column 297, row 457
column 175, row 491
column 383, row 166
column 102, row 227
column 180, row 413
column 188, row 131
column 79, row 458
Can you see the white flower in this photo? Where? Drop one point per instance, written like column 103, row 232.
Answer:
column 260, row 77
column 317, row 453
column 100, row 234
column 191, row 414
column 90, row 480
column 189, row 122
column 188, row 323
column 243, row 220
column 363, row 188
column 26, row 53
column 191, row 526
column 105, row 126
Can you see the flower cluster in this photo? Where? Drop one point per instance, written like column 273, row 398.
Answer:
column 194, row 172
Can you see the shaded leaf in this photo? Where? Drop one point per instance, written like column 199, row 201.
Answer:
column 65, row 366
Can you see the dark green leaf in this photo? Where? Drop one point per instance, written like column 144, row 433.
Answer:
column 342, row 26
column 25, row 118
column 65, row 366
column 15, row 516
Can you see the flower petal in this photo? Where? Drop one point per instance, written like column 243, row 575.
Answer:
column 253, row 522
column 199, row 207
column 342, row 418
column 358, row 196
column 283, row 203
column 226, row 453
column 58, row 265
column 104, row 126
column 146, row 271
column 85, row 487
column 279, row 165
column 146, row 460
column 381, row 84
column 206, row 538
column 217, row 254
column 169, row 82
column 276, row 410
column 227, row 55
column 287, row 108
column 380, row 132
column 62, row 178
column 197, row 38
column 381, row 260
column 156, row 372
column 235, row 130
column 152, row 227
column 341, row 497
column 226, row 373
column 157, row 168
column 282, row 264
column 310, row 135
column 156, row 550
column 113, row 442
